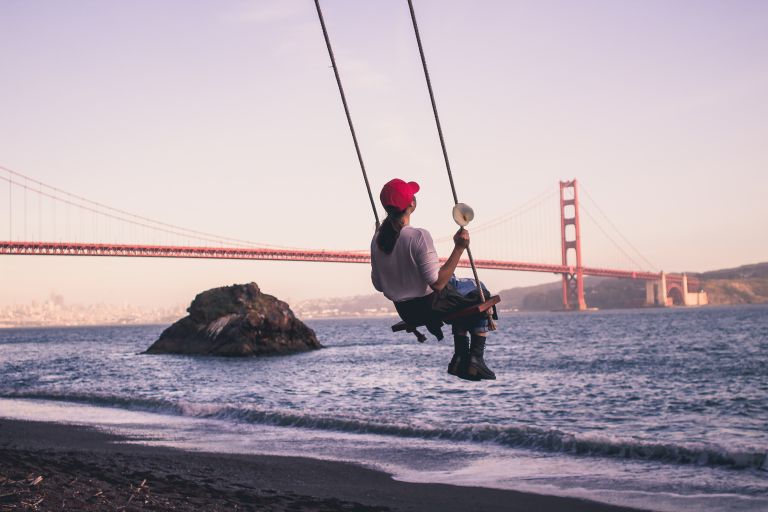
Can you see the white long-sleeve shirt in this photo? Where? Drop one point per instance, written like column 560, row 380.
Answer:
column 408, row 271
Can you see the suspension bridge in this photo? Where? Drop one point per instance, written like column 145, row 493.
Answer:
column 45, row 220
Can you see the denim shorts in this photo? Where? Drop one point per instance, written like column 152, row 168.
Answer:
column 476, row 325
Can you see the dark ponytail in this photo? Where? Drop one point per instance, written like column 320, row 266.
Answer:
column 390, row 229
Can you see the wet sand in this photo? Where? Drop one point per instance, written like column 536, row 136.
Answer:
column 49, row 466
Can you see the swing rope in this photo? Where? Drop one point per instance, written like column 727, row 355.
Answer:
column 346, row 111
column 492, row 325
column 434, row 105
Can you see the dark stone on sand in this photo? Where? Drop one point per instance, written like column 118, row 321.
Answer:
column 236, row 321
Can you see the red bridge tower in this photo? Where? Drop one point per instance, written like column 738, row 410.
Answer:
column 573, row 279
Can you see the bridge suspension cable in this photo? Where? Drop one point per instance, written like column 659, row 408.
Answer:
column 82, row 203
column 628, row 256
column 648, row 265
column 61, row 213
column 528, row 232
column 519, row 210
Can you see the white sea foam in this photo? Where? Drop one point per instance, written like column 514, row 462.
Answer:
column 415, row 459
column 513, row 436
column 662, row 400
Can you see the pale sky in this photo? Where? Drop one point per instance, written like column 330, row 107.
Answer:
column 223, row 116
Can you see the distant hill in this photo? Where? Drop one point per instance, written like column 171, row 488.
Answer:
column 753, row 271
column 599, row 292
column 747, row 284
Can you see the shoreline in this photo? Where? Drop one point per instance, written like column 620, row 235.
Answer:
column 392, row 316
column 395, row 316
column 84, row 468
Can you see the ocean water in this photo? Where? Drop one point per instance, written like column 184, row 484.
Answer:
column 665, row 409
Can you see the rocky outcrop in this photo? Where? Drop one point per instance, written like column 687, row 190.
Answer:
column 236, row 321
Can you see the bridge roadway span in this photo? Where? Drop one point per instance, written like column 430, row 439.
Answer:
column 238, row 253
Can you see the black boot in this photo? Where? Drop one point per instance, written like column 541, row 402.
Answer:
column 459, row 365
column 477, row 364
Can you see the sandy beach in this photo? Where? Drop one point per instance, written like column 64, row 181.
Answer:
column 49, row 466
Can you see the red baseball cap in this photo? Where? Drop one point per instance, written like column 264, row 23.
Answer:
column 398, row 193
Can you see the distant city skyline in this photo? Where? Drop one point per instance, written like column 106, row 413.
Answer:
column 224, row 117
column 56, row 311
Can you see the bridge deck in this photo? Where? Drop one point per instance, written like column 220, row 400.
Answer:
column 257, row 253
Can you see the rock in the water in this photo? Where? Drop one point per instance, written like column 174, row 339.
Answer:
column 236, row 320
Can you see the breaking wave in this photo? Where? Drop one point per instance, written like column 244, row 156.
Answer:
column 513, row 436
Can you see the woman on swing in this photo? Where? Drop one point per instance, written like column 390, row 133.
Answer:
column 406, row 269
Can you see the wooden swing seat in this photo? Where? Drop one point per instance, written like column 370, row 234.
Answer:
column 456, row 315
